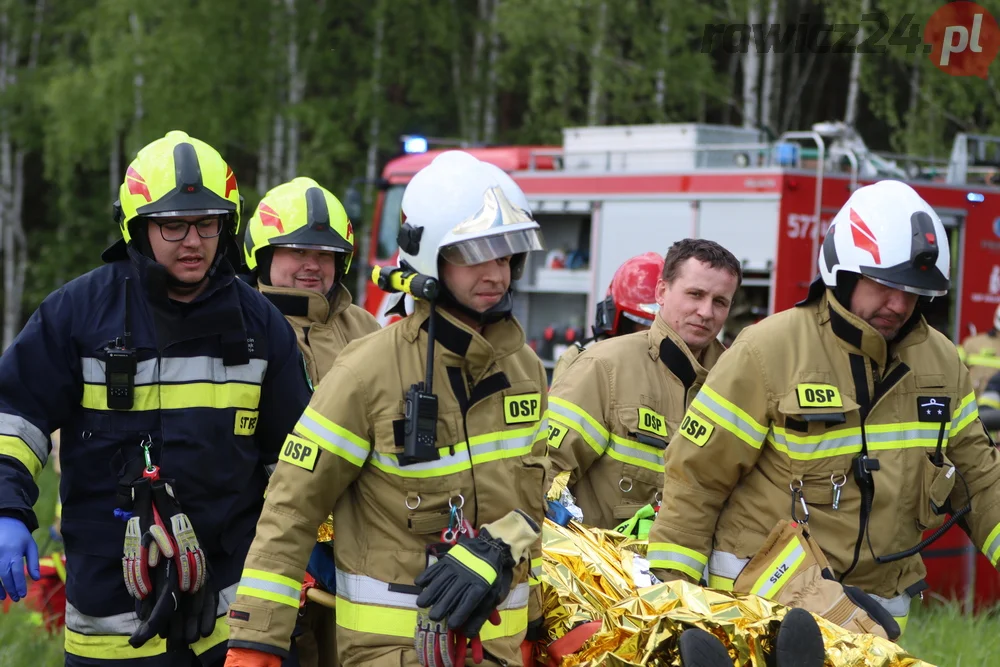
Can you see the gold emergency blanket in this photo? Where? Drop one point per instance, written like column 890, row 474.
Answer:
column 587, row 576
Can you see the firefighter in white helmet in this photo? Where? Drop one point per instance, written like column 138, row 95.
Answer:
column 831, row 436
column 981, row 353
column 438, row 533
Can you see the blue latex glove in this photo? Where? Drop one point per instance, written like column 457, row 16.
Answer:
column 16, row 544
column 558, row 514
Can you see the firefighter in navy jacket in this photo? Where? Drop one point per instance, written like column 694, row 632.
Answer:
column 217, row 383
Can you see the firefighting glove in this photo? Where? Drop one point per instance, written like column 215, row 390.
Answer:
column 146, row 541
column 16, row 546
column 157, row 611
column 438, row 646
column 476, row 572
column 197, row 613
column 188, row 555
column 878, row 613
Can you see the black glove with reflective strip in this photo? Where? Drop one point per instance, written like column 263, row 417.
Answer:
column 469, row 575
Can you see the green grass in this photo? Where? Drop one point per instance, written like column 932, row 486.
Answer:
column 938, row 634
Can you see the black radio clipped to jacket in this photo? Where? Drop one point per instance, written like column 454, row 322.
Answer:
column 420, row 432
column 120, row 366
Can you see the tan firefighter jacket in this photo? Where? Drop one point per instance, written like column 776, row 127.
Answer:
column 612, row 413
column 343, row 454
column 791, row 405
column 981, row 353
column 323, row 327
column 571, row 354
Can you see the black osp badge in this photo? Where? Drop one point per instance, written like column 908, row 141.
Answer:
column 935, row 409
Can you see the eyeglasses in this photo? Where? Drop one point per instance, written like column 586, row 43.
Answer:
column 177, row 230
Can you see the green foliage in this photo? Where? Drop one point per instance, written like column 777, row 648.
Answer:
column 116, row 74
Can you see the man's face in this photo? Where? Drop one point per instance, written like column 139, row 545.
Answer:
column 886, row 309
column 480, row 286
column 186, row 257
column 695, row 304
column 303, row 269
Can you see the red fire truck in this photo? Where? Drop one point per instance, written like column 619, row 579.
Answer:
column 609, row 193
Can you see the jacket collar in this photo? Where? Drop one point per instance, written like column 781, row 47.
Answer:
column 306, row 306
column 857, row 335
column 667, row 346
column 456, row 342
column 153, row 278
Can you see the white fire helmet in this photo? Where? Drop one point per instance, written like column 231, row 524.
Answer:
column 467, row 212
column 888, row 233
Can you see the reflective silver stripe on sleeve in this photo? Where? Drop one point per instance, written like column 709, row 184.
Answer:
column 177, row 370
column 723, row 564
column 362, row 589
column 19, row 427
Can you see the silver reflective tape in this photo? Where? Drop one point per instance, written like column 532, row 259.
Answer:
column 723, row 564
column 362, row 589
column 181, row 370
column 19, row 427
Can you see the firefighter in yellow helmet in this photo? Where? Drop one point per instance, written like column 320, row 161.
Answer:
column 172, row 385
column 830, row 437
column 298, row 246
column 439, row 530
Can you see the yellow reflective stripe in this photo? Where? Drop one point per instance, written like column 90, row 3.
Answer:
column 502, row 444
column 179, row 396
column 396, row 622
column 635, row 453
column 60, row 567
column 332, row 437
column 111, row 647
column 901, row 621
column 720, row 583
column 991, row 545
column 779, row 571
column 962, row 354
column 964, row 414
column 987, row 361
column 116, row 647
column 536, row 571
column 572, row 416
column 219, row 634
column 16, row 448
column 671, row 556
column 807, row 448
column 990, row 399
column 473, row 562
column 270, row 586
column 906, row 435
column 729, row 416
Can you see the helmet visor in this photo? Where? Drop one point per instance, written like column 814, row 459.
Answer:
column 920, row 291
column 310, row 246
column 489, row 248
column 185, row 214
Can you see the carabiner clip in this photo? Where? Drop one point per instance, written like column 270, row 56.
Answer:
column 797, row 494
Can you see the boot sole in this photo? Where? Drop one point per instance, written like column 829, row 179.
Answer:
column 799, row 642
column 699, row 648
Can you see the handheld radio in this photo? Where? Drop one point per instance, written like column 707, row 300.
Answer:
column 120, row 366
column 420, row 429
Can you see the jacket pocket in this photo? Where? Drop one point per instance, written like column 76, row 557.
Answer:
column 641, row 437
column 936, row 485
column 817, row 441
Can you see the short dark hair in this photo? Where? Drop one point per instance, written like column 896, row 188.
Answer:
column 703, row 250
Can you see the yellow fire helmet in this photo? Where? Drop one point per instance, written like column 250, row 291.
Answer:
column 177, row 175
column 298, row 214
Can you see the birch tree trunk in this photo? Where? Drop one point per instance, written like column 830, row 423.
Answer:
column 751, row 71
column 374, row 138
column 767, row 93
column 660, row 84
column 490, row 97
column 296, row 86
column 137, row 78
column 597, row 66
column 854, row 79
column 462, row 107
column 475, row 83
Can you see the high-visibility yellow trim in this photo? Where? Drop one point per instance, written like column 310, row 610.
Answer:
column 110, row 647
column 339, row 430
column 219, row 634
column 575, row 417
column 502, row 438
column 57, row 563
column 667, row 555
column 644, row 456
column 116, row 647
column 722, row 412
column 396, row 622
column 982, row 360
column 991, row 545
column 901, row 621
column 16, row 448
column 332, row 437
column 720, row 583
column 474, row 563
column 740, row 412
column 779, row 570
column 179, row 396
column 966, row 413
column 268, row 595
